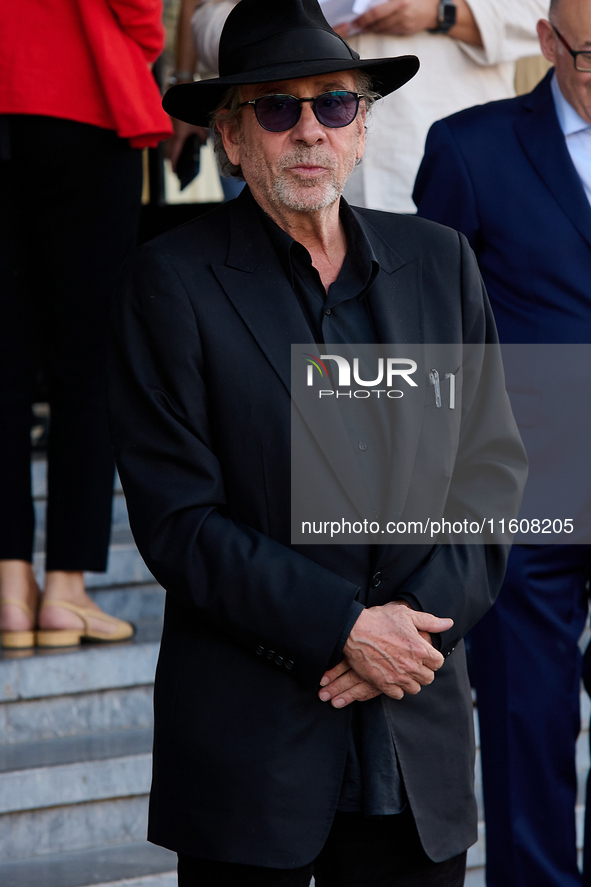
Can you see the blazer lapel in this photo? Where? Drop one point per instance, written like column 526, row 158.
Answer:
column 256, row 284
column 542, row 140
column 397, row 311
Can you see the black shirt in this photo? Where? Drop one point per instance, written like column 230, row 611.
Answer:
column 372, row 782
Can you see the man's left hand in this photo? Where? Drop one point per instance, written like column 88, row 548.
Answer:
column 342, row 685
column 398, row 17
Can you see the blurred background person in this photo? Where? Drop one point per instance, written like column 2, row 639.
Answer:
column 515, row 178
column 199, row 26
column 77, row 104
column 468, row 50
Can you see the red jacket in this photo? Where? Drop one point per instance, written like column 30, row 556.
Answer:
column 84, row 60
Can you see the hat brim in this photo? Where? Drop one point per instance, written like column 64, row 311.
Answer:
column 195, row 102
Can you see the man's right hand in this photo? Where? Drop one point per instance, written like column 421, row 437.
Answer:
column 388, row 651
column 176, row 143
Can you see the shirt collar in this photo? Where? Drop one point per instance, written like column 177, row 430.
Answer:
column 570, row 122
column 359, row 248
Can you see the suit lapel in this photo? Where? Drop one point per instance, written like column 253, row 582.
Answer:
column 397, row 311
column 542, row 140
column 257, row 286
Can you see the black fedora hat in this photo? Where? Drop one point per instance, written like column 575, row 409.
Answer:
column 268, row 40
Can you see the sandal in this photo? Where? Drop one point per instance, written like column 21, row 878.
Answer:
column 20, row 639
column 72, row 637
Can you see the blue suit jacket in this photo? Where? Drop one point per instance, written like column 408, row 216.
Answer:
column 501, row 173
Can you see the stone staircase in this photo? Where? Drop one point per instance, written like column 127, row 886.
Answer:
column 76, row 739
column 75, row 744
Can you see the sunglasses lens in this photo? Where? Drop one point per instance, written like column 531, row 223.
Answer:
column 336, row 108
column 277, row 113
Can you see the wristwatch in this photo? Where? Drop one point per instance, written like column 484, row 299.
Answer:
column 446, row 17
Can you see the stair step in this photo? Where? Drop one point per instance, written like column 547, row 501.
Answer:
column 69, row 827
column 43, row 673
column 76, row 714
column 75, row 770
column 132, row 865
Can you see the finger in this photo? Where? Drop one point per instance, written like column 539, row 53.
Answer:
column 391, row 24
column 342, row 30
column 361, row 692
column 373, row 15
column 339, row 685
column 334, row 673
column 430, row 623
column 432, row 658
column 176, row 146
column 406, row 673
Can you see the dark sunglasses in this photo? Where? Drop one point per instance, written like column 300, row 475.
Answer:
column 278, row 113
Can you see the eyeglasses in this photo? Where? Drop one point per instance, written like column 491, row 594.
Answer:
column 581, row 58
column 278, row 113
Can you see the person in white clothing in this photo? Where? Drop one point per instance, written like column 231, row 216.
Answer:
column 462, row 64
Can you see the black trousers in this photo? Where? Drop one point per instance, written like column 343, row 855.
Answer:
column 70, row 198
column 378, row 851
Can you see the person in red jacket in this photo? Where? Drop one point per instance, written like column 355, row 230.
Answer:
column 77, row 102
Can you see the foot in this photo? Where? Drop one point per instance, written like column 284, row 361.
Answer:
column 17, row 583
column 68, row 586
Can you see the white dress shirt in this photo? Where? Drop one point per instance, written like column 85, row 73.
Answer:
column 577, row 133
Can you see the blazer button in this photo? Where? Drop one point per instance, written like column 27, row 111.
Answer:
column 279, row 660
column 270, row 654
column 376, row 580
column 289, row 665
column 259, row 651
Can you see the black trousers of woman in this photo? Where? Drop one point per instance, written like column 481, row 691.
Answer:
column 70, row 198
column 375, row 851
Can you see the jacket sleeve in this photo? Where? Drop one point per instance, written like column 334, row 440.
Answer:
column 257, row 591
column 142, row 21
column 507, row 28
column 443, row 190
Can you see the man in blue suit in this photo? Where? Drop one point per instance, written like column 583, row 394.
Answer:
column 515, row 177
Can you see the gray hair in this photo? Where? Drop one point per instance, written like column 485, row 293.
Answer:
column 229, row 109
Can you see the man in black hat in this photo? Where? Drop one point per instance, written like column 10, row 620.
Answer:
column 264, row 771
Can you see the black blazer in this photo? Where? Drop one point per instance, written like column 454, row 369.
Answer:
column 248, row 763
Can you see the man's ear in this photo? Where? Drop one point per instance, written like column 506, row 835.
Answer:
column 547, row 39
column 230, row 132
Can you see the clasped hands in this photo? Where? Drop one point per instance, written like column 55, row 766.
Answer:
column 388, row 651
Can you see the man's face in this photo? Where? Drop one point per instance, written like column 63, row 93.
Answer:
column 573, row 20
column 303, row 169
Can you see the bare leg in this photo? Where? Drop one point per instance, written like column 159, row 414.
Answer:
column 17, row 583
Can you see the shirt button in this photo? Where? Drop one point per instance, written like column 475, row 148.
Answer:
column 362, row 445
column 376, row 580
column 328, row 311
